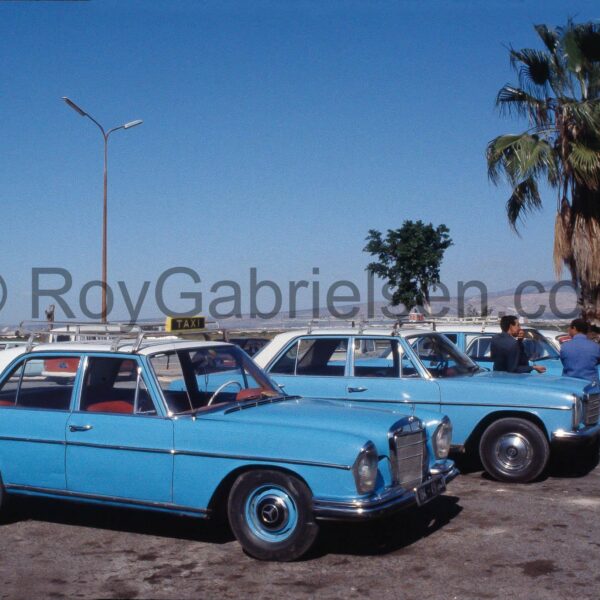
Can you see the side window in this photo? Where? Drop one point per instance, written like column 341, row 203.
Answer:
column 407, row 366
column 286, row 364
column 169, row 375
column 376, row 357
column 453, row 337
column 45, row 383
column 478, row 347
column 114, row 385
column 325, row 357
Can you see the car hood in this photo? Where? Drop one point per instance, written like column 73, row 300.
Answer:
column 310, row 422
column 498, row 389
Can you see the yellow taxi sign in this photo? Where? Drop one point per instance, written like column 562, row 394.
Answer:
column 182, row 324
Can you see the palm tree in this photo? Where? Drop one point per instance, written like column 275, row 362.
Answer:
column 559, row 94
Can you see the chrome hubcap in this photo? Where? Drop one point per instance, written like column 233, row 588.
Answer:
column 272, row 512
column 514, row 452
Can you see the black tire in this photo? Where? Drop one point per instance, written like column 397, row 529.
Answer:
column 270, row 514
column 514, row 450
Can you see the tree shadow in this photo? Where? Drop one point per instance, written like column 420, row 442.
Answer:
column 386, row 535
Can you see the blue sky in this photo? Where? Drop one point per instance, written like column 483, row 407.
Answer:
column 275, row 135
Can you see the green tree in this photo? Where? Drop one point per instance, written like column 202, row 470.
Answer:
column 558, row 92
column 409, row 259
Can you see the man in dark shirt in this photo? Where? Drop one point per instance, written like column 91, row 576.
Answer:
column 579, row 355
column 506, row 353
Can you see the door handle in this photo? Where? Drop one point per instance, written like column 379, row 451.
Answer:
column 356, row 389
column 80, row 427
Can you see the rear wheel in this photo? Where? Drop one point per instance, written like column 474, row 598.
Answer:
column 270, row 514
column 514, row 450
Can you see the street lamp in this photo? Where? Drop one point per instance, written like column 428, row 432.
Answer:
column 105, row 135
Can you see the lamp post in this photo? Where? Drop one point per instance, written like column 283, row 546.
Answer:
column 105, row 135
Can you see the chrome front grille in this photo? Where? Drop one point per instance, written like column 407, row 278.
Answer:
column 409, row 455
column 591, row 409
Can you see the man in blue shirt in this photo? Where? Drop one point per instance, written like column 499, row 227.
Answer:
column 579, row 355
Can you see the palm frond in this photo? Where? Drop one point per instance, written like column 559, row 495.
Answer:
column 585, row 242
column 548, row 36
column 524, row 199
column 563, row 251
column 516, row 101
column 585, row 162
column 589, row 41
column 521, row 157
column 584, row 117
column 533, row 67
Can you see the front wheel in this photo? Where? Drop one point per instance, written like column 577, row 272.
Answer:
column 514, row 450
column 271, row 516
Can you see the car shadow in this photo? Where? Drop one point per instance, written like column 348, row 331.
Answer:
column 118, row 519
column 567, row 462
column 575, row 461
column 386, row 535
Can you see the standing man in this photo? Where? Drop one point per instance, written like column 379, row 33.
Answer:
column 506, row 352
column 579, row 355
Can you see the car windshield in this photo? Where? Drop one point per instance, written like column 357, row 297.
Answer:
column 440, row 356
column 537, row 347
column 197, row 379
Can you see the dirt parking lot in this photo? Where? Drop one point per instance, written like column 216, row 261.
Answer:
column 482, row 539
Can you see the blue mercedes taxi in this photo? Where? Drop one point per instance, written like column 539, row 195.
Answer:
column 510, row 421
column 197, row 428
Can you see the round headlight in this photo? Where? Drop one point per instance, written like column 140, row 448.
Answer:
column 442, row 438
column 365, row 469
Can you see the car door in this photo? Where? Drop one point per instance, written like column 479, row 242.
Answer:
column 313, row 366
column 119, row 445
column 34, row 409
column 384, row 373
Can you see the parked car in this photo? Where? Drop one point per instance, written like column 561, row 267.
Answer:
column 197, row 428
column 250, row 345
column 508, row 420
column 555, row 336
column 475, row 341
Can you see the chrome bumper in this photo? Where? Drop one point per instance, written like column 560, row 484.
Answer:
column 446, row 468
column 585, row 433
column 390, row 501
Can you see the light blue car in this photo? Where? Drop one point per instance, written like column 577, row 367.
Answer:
column 197, row 428
column 475, row 341
column 510, row 421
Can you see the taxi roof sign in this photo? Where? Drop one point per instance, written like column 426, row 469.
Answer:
column 185, row 324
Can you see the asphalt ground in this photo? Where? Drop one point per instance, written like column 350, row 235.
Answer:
column 482, row 539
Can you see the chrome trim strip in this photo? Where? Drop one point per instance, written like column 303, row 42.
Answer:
column 580, row 434
column 6, row 438
column 502, row 406
column 438, row 403
column 26, row 489
column 267, row 459
column 288, row 461
column 114, row 447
